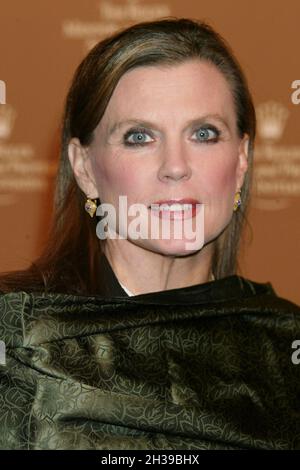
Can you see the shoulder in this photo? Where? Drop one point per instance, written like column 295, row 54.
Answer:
column 266, row 296
column 22, row 312
column 12, row 308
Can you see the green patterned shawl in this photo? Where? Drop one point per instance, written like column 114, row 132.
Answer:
column 202, row 367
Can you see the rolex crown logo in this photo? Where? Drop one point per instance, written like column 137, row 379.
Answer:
column 271, row 120
column 7, row 119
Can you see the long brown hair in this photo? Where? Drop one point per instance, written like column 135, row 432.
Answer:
column 69, row 261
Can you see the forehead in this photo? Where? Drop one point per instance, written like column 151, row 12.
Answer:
column 191, row 87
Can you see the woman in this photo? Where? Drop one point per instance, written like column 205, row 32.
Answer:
column 137, row 342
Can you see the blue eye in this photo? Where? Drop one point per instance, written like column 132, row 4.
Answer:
column 140, row 136
column 136, row 137
column 207, row 134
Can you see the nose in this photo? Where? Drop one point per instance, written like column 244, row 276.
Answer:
column 174, row 164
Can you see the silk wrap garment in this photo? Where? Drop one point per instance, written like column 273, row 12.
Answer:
column 202, row 367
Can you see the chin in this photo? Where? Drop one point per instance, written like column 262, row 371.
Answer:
column 173, row 247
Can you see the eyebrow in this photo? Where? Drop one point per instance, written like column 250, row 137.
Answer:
column 142, row 123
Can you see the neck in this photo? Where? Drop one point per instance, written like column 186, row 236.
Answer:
column 142, row 271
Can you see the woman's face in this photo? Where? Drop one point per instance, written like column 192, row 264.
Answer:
column 168, row 133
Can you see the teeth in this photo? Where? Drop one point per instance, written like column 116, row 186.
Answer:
column 172, row 207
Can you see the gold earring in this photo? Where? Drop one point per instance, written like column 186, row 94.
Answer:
column 91, row 206
column 237, row 200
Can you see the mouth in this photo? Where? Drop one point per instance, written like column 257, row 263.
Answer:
column 175, row 208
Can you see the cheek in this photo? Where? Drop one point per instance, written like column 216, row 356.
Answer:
column 220, row 188
column 222, row 179
column 115, row 180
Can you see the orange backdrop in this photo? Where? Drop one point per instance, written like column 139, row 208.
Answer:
column 41, row 43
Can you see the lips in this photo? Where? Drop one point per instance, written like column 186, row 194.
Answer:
column 175, row 208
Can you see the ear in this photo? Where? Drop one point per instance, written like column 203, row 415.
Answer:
column 242, row 164
column 81, row 164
